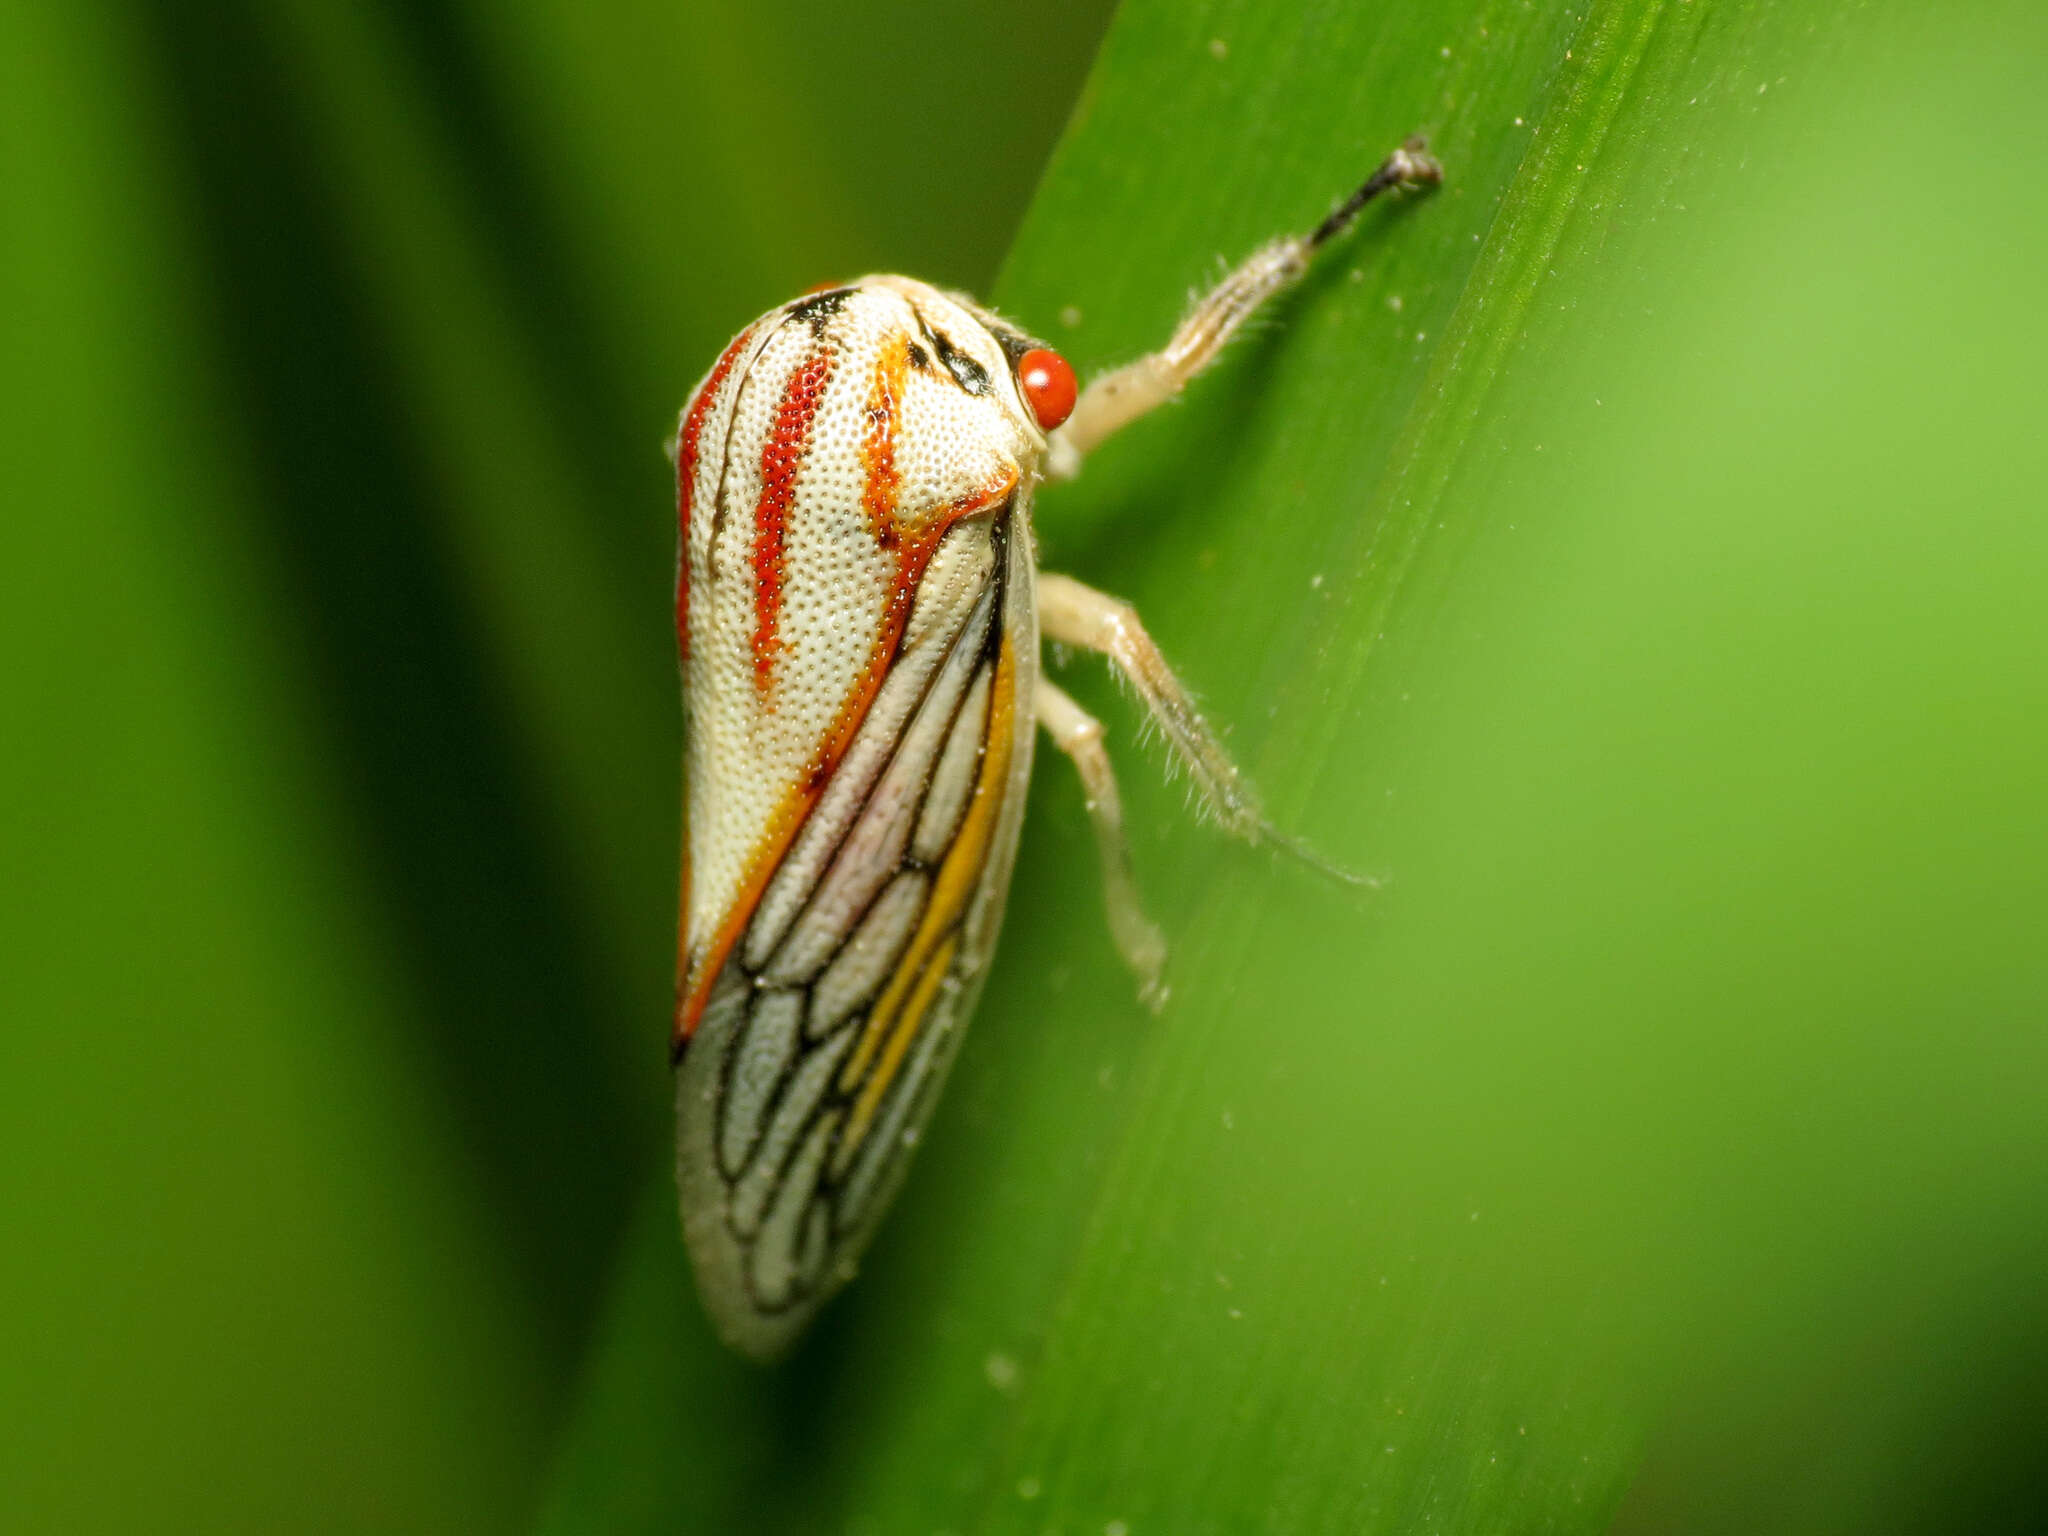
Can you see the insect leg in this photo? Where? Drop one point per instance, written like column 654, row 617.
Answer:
column 1121, row 396
column 1070, row 613
column 1079, row 734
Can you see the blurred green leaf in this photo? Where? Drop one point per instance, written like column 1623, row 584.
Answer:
column 1632, row 553
column 343, row 733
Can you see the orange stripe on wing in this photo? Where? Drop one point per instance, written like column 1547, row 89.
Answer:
column 901, row 1009
column 883, row 482
column 686, row 478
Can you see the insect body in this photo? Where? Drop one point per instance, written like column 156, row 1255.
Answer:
column 859, row 614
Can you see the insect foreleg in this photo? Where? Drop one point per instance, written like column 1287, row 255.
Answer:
column 1138, row 939
column 1121, row 396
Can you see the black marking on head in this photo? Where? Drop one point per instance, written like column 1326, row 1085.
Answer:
column 920, row 359
column 816, row 308
column 967, row 373
column 1013, row 342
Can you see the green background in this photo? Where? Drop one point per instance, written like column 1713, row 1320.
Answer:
column 1633, row 552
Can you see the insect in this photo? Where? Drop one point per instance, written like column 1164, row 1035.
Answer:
column 859, row 613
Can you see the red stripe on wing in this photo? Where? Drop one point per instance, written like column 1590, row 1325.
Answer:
column 781, row 455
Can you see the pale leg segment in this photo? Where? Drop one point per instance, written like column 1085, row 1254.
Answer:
column 1121, row 396
column 1070, row 613
column 1138, row 939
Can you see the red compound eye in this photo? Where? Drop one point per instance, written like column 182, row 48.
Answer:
column 1048, row 385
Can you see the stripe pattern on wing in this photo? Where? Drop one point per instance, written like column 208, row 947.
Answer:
column 836, row 1002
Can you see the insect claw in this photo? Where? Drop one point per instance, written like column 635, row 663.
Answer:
column 1422, row 169
column 1406, row 168
column 1303, row 854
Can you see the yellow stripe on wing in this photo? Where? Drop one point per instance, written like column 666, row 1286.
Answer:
column 900, row 1010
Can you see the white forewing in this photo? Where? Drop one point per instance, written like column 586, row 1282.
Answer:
column 800, row 1096
column 860, row 646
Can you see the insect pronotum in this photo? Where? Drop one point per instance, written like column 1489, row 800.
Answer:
column 859, row 613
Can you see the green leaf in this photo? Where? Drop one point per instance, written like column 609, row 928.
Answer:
column 1628, row 553
column 1631, row 553
column 341, row 718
